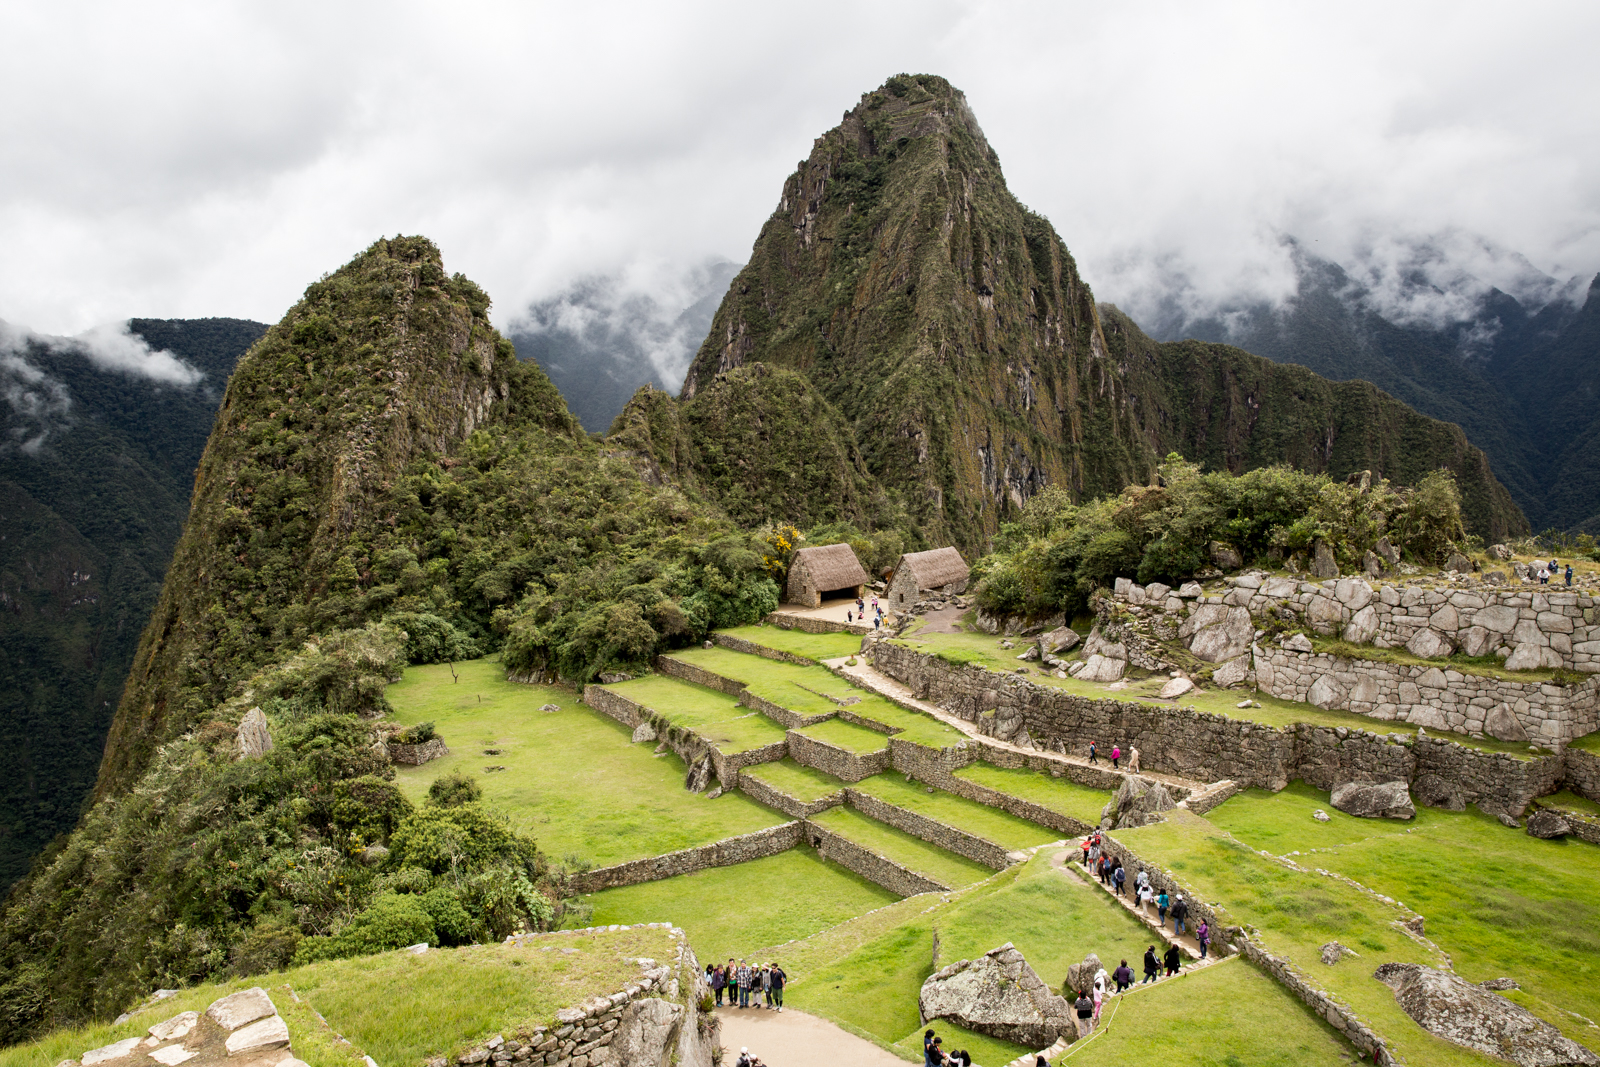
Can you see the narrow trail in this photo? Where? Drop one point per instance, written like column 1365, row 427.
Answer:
column 1064, row 861
column 794, row 1039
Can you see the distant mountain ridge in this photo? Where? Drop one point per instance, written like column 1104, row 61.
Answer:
column 1520, row 375
column 98, row 464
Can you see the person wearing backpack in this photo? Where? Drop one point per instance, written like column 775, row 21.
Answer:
column 1569, row 575
column 1123, row 976
column 1121, row 879
column 1152, row 969
column 1162, row 903
column 1180, row 912
column 1085, row 1010
column 778, row 978
column 1093, row 750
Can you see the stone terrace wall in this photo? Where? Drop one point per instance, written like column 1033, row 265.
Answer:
column 739, row 644
column 880, row 870
column 1338, row 1015
column 849, row 715
column 807, row 624
column 689, row 746
column 948, row 837
column 790, row 720
column 615, row 706
column 937, row 767
column 724, row 853
column 831, row 759
column 1092, row 776
column 688, row 672
column 1583, row 773
column 1439, row 699
column 791, row 806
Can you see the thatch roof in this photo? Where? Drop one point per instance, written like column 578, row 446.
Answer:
column 830, row 567
column 935, row 568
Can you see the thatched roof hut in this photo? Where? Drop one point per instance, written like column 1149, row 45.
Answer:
column 919, row 572
column 824, row 570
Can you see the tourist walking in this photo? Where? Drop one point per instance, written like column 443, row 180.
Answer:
column 1123, row 976
column 1145, row 896
column 1100, row 979
column 1152, row 968
column 1085, row 846
column 779, row 978
column 927, row 1049
column 1180, row 912
column 1116, row 754
column 1162, row 902
column 1203, row 935
column 1173, row 959
column 1133, row 760
column 1569, row 574
column 1093, row 753
column 1085, row 1009
column 1120, row 878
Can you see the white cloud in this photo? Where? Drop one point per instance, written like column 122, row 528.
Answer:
column 190, row 160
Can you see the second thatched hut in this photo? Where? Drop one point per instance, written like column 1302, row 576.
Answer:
column 940, row 570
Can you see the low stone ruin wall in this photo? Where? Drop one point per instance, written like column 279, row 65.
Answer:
column 848, row 714
column 739, row 644
column 417, row 755
column 936, row 767
column 1583, row 773
column 1431, row 697
column 789, row 720
column 1338, row 1015
column 880, row 870
column 1197, row 745
column 960, row 842
column 689, row 746
column 688, row 672
column 724, row 853
column 790, row 805
column 615, row 706
column 1092, row 776
column 831, row 759
column 1204, row 799
column 807, row 624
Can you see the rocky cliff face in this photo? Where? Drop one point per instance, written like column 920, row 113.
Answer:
column 949, row 328
column 383, row 361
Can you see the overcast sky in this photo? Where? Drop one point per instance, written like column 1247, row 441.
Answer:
column 173, row 160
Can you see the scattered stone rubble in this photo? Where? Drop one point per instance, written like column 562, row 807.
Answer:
column 997, row 994
column 1471, row 1016
column 243, row 1029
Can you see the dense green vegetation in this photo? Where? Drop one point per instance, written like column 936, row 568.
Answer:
column 88, row 520
column 1059, row 553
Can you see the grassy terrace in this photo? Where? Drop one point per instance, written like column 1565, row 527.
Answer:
column 847, row 735
column 803, row 783
column 991, row 824
column 572, row 778
column 1473, row 906
column 1587, row 743
column 1056, row 794
column 913, row 853
column 1572, row 802
column 802, row 689
column 710, row 714
column 399, row 1008
column 731, row 911
column 985, row 651
column 812, row 646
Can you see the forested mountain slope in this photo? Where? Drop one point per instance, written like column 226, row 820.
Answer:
column 98, row 465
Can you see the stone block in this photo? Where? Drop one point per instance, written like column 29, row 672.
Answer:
column 1429, row 644
column 1552, row 622
column 239, row 1009
column 1478, row 641
column 1362, row 627
column 1445, row 620
column 259, row 1036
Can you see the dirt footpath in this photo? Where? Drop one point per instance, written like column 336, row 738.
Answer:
column 795, row 1039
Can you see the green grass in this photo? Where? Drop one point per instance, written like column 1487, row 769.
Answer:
column 1572, row 802
column 1299, row 911
column 847, row 735
column 402, row 1009
column 913, row 853
column 1588, row 743
column 714, row 716
column 732, row 911
column 1226, row 1014
column 573, row 779
column 1282, row 822
column 984, row 650
column 991, row 824
column 803, row 783
column 812, row 646
column 1057, row 794
column 1480, row 666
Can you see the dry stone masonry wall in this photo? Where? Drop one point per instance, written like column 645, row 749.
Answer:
column 960, row 842
column 869, row 865
column 725, row 853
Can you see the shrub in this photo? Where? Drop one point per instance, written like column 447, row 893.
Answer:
column 453, row 789
column 418, row 734
column 389, row 922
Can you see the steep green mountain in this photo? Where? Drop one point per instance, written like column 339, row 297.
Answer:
column 385, row 482
column 98, row 467
column 949, row 328
column 1520, row 376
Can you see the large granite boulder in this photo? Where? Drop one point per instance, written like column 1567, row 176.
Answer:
column 1438, row 792
column 1502, row 724
column 1374, row 800
column 647, row 1034
column 1429, row 644
column 254, row 738
column 1547, row 824
column 1000, row 995
column 1447, row 1006
column 1138, row 802
column 1322, row 561
column 1059, row 640
column 243, row 1029
column 1225, row 639
column 1224, row 556
column 1101, row 669
column 1080, row 976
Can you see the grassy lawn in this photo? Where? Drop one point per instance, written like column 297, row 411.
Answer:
column 400, row 1008
column 847, row 735
column 913, row 853
column 1282, row 822
column 732, row 911
column 1500, row 903
column 1588, row 743
column 710, row 714
column 1572, row 802
column 1228, row 1014
column 803, row 783
column 812, row 646
column 908, row 725
column 1299, row 911
column 1057, row 794
column 572, row 778
column 991, row 824
column 985, row 651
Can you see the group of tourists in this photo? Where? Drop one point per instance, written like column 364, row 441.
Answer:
column 1088, row 1002
column 742, row 982
column 934, row 1054
column 1116, row 757
column 860, row 614
column 1546, row 571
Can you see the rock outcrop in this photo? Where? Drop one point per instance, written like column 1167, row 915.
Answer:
column 254, row 738
column 1374, row 800
column 1467, row 1015
column 1081, row 975
column 243, row 1029
column 1547, row 824
column 1138, row 802
column 1000, row 995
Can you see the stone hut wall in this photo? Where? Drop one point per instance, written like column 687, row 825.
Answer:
column 787, row 803
column 831, row 759
column 1439, row 699
column 739, row 644
column 615, row 705
column 1583, row 773
column 688, row 672
column 903, row 590
column 724, row 853
column 978, row 849
column 880, row 870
